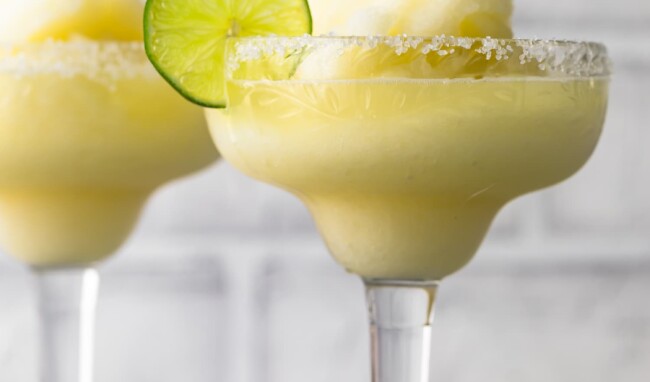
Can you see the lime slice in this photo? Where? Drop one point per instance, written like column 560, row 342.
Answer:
column 185, row 39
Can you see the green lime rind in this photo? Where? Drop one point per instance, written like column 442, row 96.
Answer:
column 185, row 39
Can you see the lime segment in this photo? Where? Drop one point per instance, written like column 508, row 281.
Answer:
column 185, row 39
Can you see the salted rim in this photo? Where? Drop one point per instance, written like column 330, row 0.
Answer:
column 98, row 60
column 559, row 57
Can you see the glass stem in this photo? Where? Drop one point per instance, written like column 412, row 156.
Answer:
column 401, row 314
column 67, row 301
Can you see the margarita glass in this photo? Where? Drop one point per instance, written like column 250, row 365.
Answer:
column 404, row 149
column 88, row 131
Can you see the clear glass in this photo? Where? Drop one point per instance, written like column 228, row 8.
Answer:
column 84, row 142
column 67, row 301
column 405, row 148
column 401, row 315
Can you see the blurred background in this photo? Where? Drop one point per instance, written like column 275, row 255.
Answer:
column 226, row 279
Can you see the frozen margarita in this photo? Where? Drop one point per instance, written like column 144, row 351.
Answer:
column 87, row 130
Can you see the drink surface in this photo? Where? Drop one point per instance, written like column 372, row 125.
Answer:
column 404, row 176
column 87, row 131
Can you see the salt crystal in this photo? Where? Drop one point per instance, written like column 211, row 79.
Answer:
column 103, row 62
column 566, row 58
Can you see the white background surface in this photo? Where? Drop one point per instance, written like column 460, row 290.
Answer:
column 225, row 279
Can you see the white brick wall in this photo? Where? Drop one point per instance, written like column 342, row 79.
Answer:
column 226, row 281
